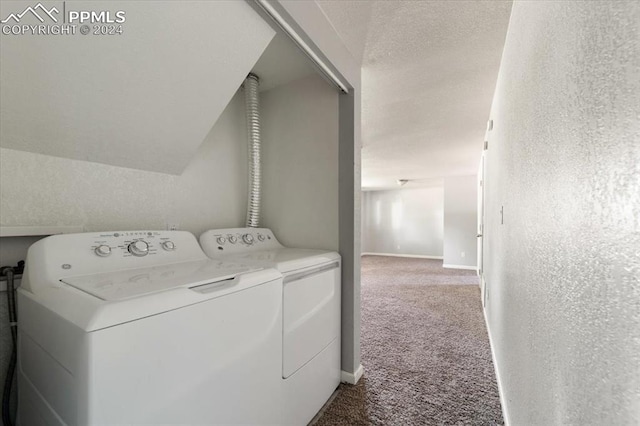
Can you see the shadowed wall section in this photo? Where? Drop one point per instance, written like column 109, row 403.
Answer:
column 403, row 221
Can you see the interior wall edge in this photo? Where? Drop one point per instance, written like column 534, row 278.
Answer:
column 349, row 225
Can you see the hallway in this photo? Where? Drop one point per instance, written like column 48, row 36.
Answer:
column 425, row 349
column 331, row 151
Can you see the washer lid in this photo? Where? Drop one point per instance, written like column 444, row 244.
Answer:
column 286, row 259
column 129, row 283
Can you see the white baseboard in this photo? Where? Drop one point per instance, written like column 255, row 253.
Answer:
column 352, row 378
column 469, row 268
column 503, row 398
column 418, row 256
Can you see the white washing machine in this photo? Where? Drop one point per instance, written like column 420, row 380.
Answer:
column 311, row 313
column 142, row 328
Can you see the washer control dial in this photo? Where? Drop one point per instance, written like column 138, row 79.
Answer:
column 248, row 239
column 139, row 248
column 168, row 245
column 221, row 240
column 103, row 250
column 232, row 239
column 260, row 237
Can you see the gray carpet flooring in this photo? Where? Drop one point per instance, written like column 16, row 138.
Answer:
column 425, row 350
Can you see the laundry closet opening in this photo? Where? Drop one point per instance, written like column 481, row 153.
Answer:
column 163, row 146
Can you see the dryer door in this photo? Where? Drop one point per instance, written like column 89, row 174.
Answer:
column 311, row 314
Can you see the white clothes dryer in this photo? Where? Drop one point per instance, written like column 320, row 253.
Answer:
column 311, row 313
column 143, row 328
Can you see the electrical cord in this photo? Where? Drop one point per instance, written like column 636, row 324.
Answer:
column 9, row 272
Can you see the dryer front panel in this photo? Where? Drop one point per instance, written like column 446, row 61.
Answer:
column 311, row 314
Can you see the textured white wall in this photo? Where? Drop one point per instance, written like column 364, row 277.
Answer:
column 563, row 271
column 300, row 160
column 37, row 189
column 403, row 221
column 460, row 220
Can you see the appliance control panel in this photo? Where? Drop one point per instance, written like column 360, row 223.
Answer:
column 238, row 240
column 96, row 252
column 133, row 243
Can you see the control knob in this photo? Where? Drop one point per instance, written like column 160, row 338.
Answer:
column 248, row 239
column 232, row 239
column 103, row 250
column 139, row 248
column 168, row 245
column 260, row 237
column 221, row 240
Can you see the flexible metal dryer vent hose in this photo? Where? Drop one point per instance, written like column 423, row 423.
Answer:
column 253, row 132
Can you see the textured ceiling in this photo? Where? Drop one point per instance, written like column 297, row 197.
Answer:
column 429, row 70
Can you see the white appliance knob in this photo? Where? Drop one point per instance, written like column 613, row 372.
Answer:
column 232, row 239
column 139, row 248
column 221, row 240
column 168, row 245
column 103, row 250
column 248, row 239
column 261, row 237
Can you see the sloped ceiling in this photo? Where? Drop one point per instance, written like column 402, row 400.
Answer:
column 282, row 62
column 428, row 77
column 144, row 99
